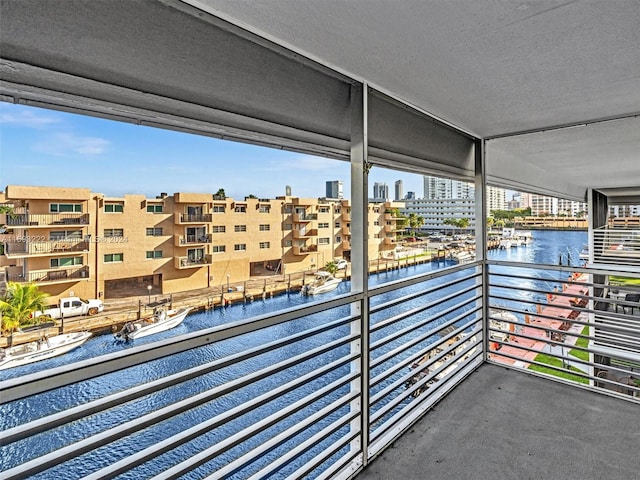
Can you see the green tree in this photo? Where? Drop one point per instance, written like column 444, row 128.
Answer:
column 457, row 222
column 415, row 221
column 19, row 303
column 251, row 196
column 331, row 267
column 220, row 195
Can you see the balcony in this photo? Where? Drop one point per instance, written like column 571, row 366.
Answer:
column 304, row 250
column 191, row 262
column 304, row 217
column 304, row 233
column 15, row 249
column 346, row 216
column 50, row 276
column 35, row 220
column 184, row 218
column 188, row 240
column 389, row 241
column 345, row 231
column 346, row 245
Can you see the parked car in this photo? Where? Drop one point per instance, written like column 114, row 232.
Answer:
column 341, row 263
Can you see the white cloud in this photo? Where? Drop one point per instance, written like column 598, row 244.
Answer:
column 64, row 144
column 27, row 118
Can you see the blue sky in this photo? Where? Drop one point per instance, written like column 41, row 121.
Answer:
column 51, row 148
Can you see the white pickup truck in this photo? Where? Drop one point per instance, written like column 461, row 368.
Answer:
column 72, row 307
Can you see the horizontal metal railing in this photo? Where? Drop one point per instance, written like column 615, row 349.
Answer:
column 616, row 246
column 436, row 314
column 336, row 360
column 423, row 341
column 32, row 220
column 563, row 322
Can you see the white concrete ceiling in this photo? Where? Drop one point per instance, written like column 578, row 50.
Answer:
column 490, row 67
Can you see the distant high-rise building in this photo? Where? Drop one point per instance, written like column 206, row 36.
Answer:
column 380, row 191
column 398, row 190
column 438, row 188
column 496, row 199
column 411, row 195
column 287, row 190
column 334, row 189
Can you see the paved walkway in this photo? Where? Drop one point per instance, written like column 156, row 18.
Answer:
column 559, row 306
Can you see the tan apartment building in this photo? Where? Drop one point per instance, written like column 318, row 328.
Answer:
column 71, row 241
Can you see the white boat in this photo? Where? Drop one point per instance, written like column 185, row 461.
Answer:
column 161, row 321
column 584, row 253
column 513, row 238
column 500, row 324
column 324, row 282
column 463, row 257
column 452, row 359
column 42, row 349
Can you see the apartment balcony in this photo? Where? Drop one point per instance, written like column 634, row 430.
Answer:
column 345, row 231
column 346, row 245
column 346, row 216
column 15, row 249
column 193, row 218
column 304, row 233
column 299, row 250
column 304, row 217
column 389, row 241
column 35, row 220
column 188, row 240
column 617, row 246
column 390, row 228
column 51, row 276
column 192, row 262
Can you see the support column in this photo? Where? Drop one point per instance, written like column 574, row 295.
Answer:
column 359, row 257
column 482, row 236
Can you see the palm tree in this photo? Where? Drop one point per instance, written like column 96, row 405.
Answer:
column 20, row 301
column 415, row 221
column 331, row 267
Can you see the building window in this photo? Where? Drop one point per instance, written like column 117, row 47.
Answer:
column 376, row 223
column 65, row 208
column 155, row 208
column 337, row 224
column 288, row 226
column 239, row 228
column 113, row 257
column 154, row 254
column 240, row 247
column 240, row 209
column 323, row 209
column 65, row 262
column 265, row 209
column 218, row 248
column 337, row 210
column 265, row 244
column 218, row 229
column 323, row 241
column 218, row 209
column 338, row 239
column 65, row 235
column 113, row 232
column 265, row 227
column 323, row 225
column 288, row 243
column 113, row 208
column 287, row 209
column 154, row 231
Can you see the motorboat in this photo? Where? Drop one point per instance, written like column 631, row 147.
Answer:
column 512, row 238
column 323, row 282
column 42, row 349
column 501, row 324
column 161, row 321
column 463, row 256
column 445, row 364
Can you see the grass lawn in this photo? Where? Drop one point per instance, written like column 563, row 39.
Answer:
column 556, row 362
column 613, row 280
column 581, row 342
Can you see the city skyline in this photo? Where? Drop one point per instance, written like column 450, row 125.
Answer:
column 51, row 148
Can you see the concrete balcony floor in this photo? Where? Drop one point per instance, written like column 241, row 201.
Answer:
column 504, row 424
